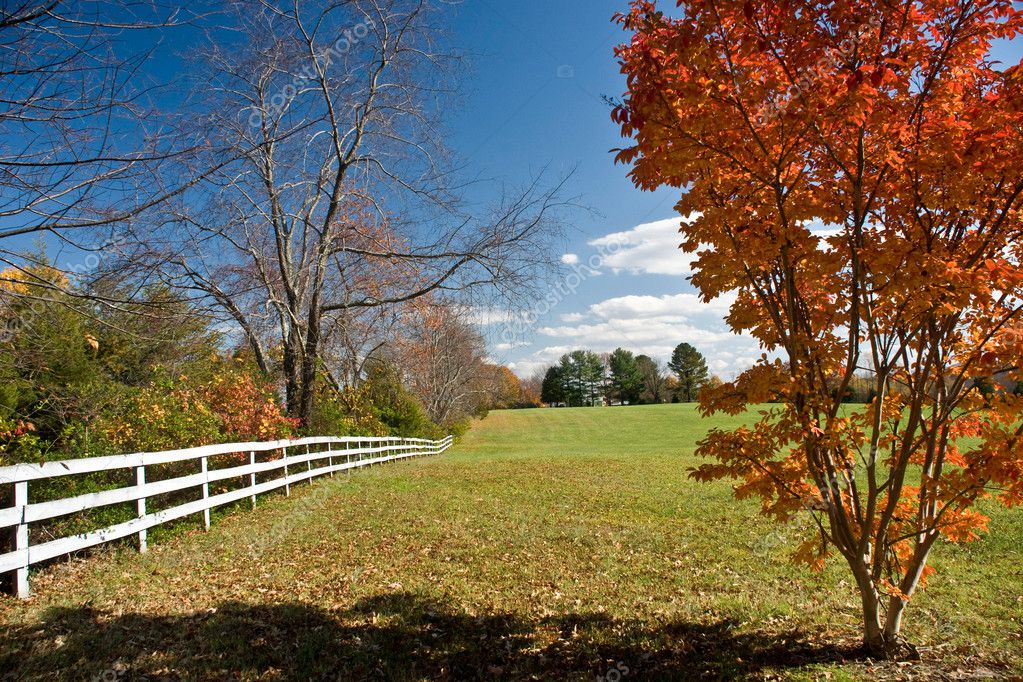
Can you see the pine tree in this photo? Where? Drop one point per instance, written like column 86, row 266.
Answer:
column 626, row 378
column 691, row 369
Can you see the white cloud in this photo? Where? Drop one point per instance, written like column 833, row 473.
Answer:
column 653, row 248
column 684, row 305
column 510, row 346
column 652, row 325
column 650, row 248
column 648, row 324
column 539, row 360
column 657, row 336
column 486, row 317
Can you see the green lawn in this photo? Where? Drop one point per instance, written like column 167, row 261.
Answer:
column 548, row 544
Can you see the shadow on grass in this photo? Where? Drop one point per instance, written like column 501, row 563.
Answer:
column 397, row 636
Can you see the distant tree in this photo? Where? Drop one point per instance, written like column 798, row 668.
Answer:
column 582, row 377
column 552, row 390
column 531, row 389
column 671, row 388
column 691, row 369
column 505, row 390
column 592, row 372
column 985, row 386
column 572, row 386
column 653, row 379
column 442, row 359
column 595, row 373
column 626, row 379
column 572, row 372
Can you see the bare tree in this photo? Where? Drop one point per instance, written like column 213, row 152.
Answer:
column 654, row 379
column 333, row 112
column 444, row 359
column 532, row 387
column 351, row 338
column 81, row 146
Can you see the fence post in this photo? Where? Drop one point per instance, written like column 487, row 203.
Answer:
column 21, row 538
column 308, row 462
column 140, row 507
column 330, row 457
column 287, row 486
column 206, row 492
column 252, row 476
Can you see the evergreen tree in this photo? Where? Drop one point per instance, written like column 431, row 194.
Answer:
column 552, row 391
column 626, row 378
column 582, row 377
column 691, row 369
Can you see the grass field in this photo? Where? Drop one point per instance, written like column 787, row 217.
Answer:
column 548, row 544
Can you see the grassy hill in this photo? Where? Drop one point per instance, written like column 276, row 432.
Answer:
column 549, row 544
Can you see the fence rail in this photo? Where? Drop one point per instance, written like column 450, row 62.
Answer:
column 296, row 462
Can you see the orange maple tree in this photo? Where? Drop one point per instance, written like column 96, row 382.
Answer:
column 852, row 174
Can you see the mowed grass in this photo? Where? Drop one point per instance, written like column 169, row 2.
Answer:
column 548, row 544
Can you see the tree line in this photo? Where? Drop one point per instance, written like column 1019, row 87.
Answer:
column 583, row 378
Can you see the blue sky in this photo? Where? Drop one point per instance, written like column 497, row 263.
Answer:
column 533, row 100
column 534, row 97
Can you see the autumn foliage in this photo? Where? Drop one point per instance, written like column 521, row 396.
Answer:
column 177, row 412
column 852, row 173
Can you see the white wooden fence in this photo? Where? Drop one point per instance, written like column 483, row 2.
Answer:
column 295, row 459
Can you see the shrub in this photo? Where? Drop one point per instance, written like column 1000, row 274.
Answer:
column 459, row 428
column 232, row 405
column 247, row 407
column 18, row 442
column 345, row 413
column 400, row 411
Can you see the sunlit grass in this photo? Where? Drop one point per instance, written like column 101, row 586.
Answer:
column 549, row 543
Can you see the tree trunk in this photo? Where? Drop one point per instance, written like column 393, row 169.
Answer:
column 893, row 620
column 881, row 627
column 873, row 631
column 870, row 603
column 292, row 374
column 310, row 361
